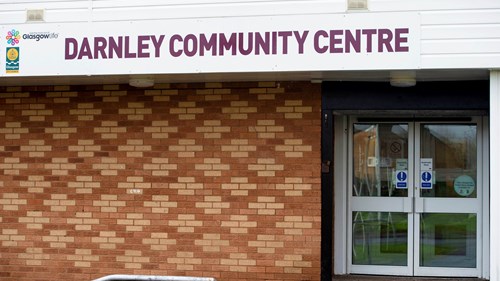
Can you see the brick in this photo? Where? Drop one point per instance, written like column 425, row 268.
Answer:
column 221, row 169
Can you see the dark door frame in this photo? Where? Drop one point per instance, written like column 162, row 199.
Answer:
column 379, row 99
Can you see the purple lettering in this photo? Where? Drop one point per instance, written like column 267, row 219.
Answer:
column 353, row 41
column 334, row 41
column 317, row 47
column 141, row 46
column 285, row 35
column 115, row 47
column 208, row 45
column 369, row 35
column 157, row 44
column 274, row 47
column 70, row 48
column 190, row 40
column 262, row 43
column 85, row 49
column 128, row 53
column 301, row 39
column 384, row 39
column 100, row 44
column 400, row 39
column 249, row 42
column 173, row 52
column 226, row 44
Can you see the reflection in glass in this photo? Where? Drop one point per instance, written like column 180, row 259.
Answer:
column 380, row 238
column 379, row 150
column 448, row 240
column 453, row 149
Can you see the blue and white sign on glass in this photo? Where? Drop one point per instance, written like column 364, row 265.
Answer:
column 402, row 179
column 426, row 173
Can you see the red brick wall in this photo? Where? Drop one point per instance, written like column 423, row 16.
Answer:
column 218, row 179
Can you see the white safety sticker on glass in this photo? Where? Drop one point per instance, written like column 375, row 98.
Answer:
column 401, row 164
column 464, row 185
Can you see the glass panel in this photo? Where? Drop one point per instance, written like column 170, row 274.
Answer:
column 380, row 238
column 380, row 152
column 448, row 240
column 453, row 150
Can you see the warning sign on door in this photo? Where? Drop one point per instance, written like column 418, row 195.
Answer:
column 426, row 173
column 401, row 179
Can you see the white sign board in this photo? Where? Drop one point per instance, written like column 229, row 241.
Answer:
column 364, row 41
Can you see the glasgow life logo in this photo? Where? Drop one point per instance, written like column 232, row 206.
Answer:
column 14, row 36
column 37, row 36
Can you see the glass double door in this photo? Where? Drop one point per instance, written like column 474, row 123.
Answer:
column 414, row 205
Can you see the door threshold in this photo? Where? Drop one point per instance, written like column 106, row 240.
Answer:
column 354, row 277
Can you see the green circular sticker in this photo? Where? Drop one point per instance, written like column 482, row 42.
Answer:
column 464, row 185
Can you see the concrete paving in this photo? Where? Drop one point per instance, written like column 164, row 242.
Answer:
column 398, row 278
